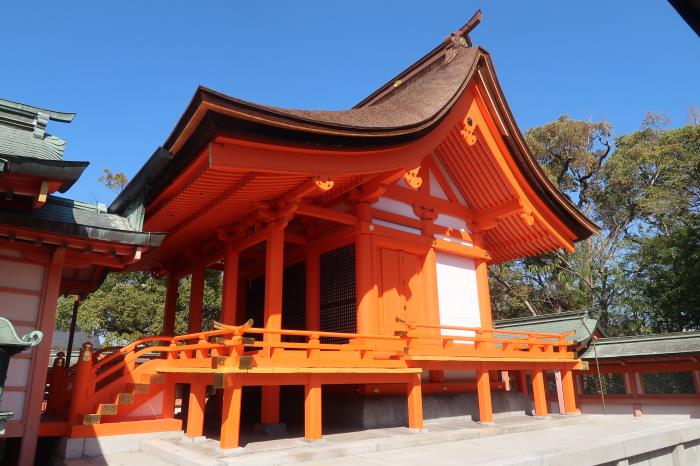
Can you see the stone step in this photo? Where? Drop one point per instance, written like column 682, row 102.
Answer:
column 125, row 398
column 138, row 388
column 90, row 419
column 107, row 409
column 153, row 379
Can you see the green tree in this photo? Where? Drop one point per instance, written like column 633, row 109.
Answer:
column 128, row 306
column 645, row 194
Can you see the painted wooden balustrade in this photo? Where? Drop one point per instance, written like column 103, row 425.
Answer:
column 108, row 387
column 442, row 340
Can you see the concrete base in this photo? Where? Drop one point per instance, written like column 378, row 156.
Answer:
column 70, row 448
column 279, row 428
column 374, row 412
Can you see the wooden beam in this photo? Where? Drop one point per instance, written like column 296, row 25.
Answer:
column 327, row 214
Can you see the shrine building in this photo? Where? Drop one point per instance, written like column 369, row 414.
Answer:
column 354, row 248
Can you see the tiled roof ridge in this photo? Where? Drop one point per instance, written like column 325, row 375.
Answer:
column 647, row 337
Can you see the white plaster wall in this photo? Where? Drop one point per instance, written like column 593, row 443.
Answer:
column 395, row 207
column 457, row 293
column 21, row 275
column 14, row 306
column 17, row 307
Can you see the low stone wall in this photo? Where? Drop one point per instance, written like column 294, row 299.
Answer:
column 373, row 412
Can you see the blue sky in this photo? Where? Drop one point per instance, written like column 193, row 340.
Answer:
column 128, row 69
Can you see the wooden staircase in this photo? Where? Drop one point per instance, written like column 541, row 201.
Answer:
column 125, row 402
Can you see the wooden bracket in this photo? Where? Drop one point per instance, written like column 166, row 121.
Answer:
column 467, row 132
column 412, row 179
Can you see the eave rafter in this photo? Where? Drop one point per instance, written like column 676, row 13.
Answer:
column 478, row 129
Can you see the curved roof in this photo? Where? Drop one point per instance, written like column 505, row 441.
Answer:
column 406, row 109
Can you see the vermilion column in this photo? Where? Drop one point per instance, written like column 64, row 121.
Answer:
column 366, row 289
column 231, row 414
column 194, row 323
column 538, row 393
column 482, row 286
column 195, row 413
column 229, row 295
column 567, row 385
column 522, row 383
column 313, row 290
column 274, row 276
column 170, row 305
column 483, row 388
column 313, row 429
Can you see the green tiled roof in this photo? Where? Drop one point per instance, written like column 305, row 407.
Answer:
column 22, row 143
column 644, row 345
column 563, row 322
column 22, row 131
column 75, row 218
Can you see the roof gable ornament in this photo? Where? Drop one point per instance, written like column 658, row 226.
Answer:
column 40, row 121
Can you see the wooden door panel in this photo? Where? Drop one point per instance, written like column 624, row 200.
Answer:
column 401, row 289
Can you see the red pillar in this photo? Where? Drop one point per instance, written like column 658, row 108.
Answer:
column 366, row 289
column 538, row 392
column 194, row 323
column 483, row 388
column 231, row 415
column 229, row 296
column 170, row 305
column 35, row 394
column 522, row 382
column 313, row 429
column 274, row 276
column 482, row 284
column 313, row 290
column 567, row 382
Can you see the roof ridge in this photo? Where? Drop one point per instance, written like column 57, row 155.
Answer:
column 543, row 317
column 18, row 107
column 651, row 336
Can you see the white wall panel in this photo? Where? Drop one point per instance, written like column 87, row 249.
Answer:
column 21, row 275
column 395, row 207
column 457, row 294
column 13, row 401
column 15, row 306
column 18, row 372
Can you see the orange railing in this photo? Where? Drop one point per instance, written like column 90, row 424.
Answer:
column 484, row 342
column 97, row 378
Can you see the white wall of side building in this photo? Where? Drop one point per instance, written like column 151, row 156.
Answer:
column 21, row 287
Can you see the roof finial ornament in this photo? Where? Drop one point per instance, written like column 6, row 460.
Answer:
column 461, row 35
column 460, row 38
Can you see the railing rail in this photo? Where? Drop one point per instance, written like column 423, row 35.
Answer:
column 97, row 377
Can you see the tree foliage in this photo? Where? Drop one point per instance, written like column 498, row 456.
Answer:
column 114, row 181
column 643, row 189
column 128, row 306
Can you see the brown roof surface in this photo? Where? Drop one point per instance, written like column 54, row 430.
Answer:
column 393, row 115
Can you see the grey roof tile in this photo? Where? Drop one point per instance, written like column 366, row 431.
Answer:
column 563, row 322
column 644, row 345
column 22, row 143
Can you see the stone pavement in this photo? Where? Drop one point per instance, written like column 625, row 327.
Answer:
column 518, row 440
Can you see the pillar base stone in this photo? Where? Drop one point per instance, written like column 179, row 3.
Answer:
column 486, row 424
column 418, row 431
column 314, row 441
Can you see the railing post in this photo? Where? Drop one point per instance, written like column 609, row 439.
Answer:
column 81, row 383
column 58, row 384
